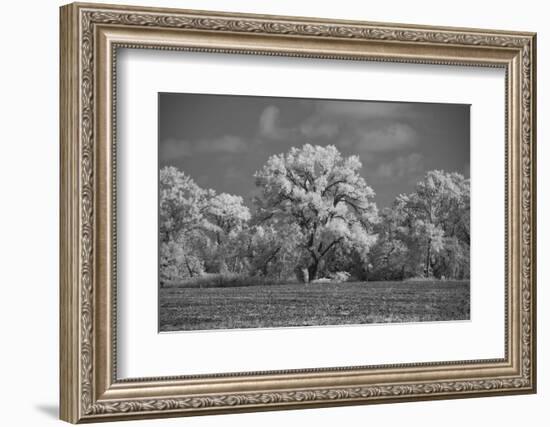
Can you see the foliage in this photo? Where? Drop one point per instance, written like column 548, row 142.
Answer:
column 177, row 263
column 321, row 192
column 181, row 204
column 225, row 214
column 427, row 232
column 196, row 227
column 273, row 250
column 314, row 217
column 223, row 280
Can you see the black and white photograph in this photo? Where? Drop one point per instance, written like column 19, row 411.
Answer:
column 292, row 212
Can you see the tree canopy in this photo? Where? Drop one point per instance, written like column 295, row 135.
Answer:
column 314, row 216
column 427, row 232
column 321, row 192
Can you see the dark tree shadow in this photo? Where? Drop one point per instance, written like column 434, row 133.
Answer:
column 49, row 409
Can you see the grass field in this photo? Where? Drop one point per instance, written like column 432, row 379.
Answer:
column 183, row 309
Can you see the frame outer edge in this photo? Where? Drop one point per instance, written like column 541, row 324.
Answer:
column 77, row 339
column 533, row 207
column 68, row 227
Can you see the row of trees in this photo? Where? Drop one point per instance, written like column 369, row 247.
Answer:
column 315, row 215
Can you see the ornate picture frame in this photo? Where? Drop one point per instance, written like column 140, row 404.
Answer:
column 90, row 37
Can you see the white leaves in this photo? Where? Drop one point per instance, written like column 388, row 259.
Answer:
column 181, row 202
column 428, row 220
column 315, row 187
column 315, row 212
column 227, row 212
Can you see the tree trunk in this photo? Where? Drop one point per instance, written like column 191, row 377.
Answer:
column 312, row 270
column 188, row 268
column 428, row 256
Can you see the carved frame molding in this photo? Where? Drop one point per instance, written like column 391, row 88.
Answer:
column 90, row 35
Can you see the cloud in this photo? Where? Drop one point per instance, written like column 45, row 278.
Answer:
column 269, row 127
column 225, row 144
column 391, row 137
column 172, row 148
column 363, row 110
column 269, row 123
column 316, row 129
column 402, row 166
column 366, row 127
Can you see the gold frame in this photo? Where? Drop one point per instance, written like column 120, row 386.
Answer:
column 90, row 35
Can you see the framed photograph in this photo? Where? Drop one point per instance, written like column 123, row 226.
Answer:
column 266, row 212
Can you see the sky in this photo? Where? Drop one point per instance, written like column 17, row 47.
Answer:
column 221, row 140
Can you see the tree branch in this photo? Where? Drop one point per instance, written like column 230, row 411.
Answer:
column 341, row 181
column 338, row 240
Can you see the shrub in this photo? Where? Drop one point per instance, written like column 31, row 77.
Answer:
column 176, row 263
column 228, row 280
column 337, row 277
column 340, row 276
column 322, row 280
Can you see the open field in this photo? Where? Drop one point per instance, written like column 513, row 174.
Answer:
column 183, row 309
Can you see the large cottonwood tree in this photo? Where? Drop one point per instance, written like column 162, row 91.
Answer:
column 322, row 193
